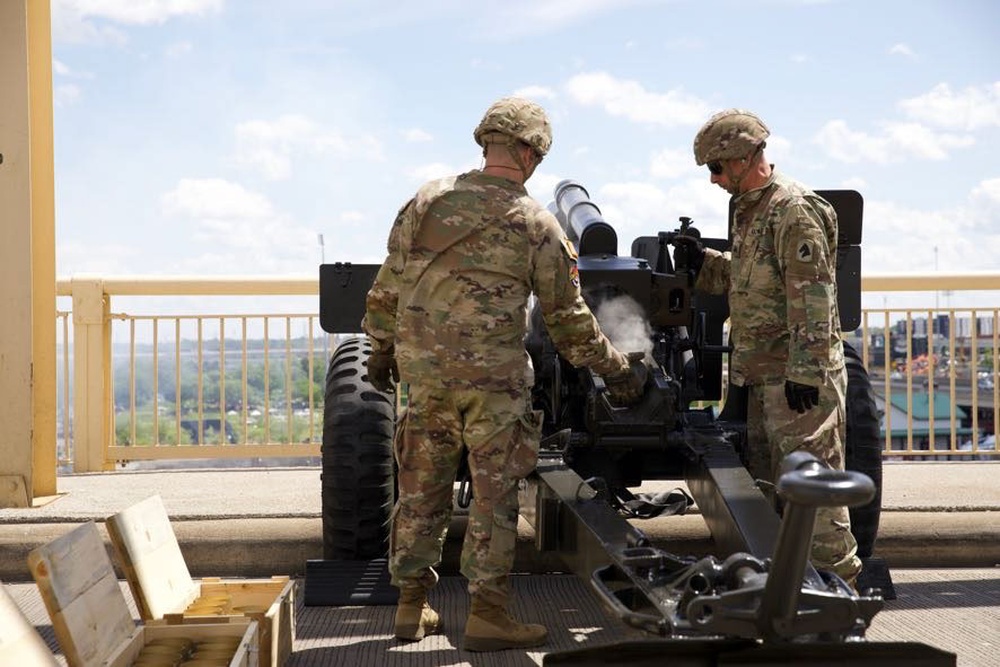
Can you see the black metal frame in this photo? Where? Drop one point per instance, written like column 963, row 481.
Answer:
column 733, row 606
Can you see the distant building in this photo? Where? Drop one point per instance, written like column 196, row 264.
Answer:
column 927, row 433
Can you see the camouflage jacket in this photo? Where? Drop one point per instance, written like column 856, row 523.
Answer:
column 781, row 279
column 464, row 256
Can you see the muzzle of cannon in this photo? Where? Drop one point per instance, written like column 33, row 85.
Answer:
column 583, row 222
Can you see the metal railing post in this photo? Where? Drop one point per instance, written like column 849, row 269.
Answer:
column 92, row 417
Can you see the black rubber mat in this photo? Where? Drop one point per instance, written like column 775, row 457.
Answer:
column 339, row 583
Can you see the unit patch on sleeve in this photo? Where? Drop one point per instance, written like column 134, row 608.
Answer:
column 574, row 275
column 806, row 252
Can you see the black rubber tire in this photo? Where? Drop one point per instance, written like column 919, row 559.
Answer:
column 358, row 477
column 863, row 448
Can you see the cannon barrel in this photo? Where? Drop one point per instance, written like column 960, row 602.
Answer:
column 582, row 220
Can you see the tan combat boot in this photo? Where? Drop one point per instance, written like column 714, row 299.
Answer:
column 414, row 617
column 491, row 628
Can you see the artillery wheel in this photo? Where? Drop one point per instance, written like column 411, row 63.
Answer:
column 863, row 449
column 358, row 478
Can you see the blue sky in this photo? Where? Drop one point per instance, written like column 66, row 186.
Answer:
column 223, row 136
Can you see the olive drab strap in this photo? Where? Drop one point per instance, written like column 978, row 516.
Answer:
column 649, row 505
column 641, row 505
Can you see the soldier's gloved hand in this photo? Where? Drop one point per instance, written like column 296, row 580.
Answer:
column 628, row 386
column 801, row 397
column 382, row 370
column 692, row 246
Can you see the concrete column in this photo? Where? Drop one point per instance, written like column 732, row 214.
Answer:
column 27, row 256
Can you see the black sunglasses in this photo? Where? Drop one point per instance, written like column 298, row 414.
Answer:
column 715, row 167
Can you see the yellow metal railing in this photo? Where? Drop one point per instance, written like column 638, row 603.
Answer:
column 210, row 339
column 959, row 365
column 948, row 388
column 241, row 385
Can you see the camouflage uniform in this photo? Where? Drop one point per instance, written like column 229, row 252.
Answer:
column 451, row 298
column 784, row 325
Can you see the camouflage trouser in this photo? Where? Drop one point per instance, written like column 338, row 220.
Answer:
column 501, row 433
column 774, row 431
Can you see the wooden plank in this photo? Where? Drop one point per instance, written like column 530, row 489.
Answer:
column 20, row 643
column 151, row 559
column 80, row 590
column 244, row 656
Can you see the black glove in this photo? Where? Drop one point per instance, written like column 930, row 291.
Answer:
column 692, row 247
column 382, row 370
column 800, row 397
column 628, row 386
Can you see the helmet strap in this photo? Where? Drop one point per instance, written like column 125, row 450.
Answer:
column 513, row 149
column 749, row 162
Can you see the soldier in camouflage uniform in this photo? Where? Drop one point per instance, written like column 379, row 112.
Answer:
column 780, row 276
column 447, row 315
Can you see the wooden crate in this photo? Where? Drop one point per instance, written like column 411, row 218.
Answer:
column 20, row 643
column 90, row 615
column 163, row 589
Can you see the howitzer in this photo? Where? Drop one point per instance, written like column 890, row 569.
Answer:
column 758, row 597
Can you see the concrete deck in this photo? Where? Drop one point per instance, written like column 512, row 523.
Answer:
column 955, row 610
column 940, row 533
column 263, row 521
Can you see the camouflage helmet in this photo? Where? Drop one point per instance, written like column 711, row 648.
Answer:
column 728, row 135
column 519, row 119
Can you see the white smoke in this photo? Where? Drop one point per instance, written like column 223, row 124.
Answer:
column 624, row 322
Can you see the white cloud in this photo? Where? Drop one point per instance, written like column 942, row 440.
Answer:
column 238, row 231
column 846, row 145
column 269, row 146
column 74, row 258
column 178, row 49
column 69, row 27
column 988, row 193
column 896, row 142
column 519, row 17
column 65, row 94
column 629, row 99
column 685, row 43
column 535, row 93
column 637, row 209
column 973, row 108
column 925, row 134
column 900, row 239
column 542, row 185
column 431, row 171
column 416, row 135
column 352, row 217
column 217, row 199
column 922, row 142
column 854, row 183
column 778, row 148
column 59, row 68
column 488, row 65
column 139, row 12
column 901, row 49
column 87, row 21
column 670, row 163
